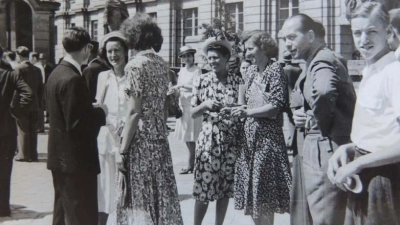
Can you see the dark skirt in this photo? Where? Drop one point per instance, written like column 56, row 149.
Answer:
column 379, row 201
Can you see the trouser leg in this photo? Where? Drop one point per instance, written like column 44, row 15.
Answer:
column 8, row 145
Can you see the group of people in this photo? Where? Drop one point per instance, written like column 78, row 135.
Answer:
column 231, row 123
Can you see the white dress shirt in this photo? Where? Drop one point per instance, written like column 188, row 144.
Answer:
column 397, row 53
column 376, row 124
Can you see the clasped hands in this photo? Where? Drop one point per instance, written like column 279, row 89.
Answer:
column 235, row 111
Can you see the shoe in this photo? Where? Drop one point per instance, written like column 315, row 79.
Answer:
column 186, row 170
column 21, row 160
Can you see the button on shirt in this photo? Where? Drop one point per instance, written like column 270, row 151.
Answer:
column 376, row 124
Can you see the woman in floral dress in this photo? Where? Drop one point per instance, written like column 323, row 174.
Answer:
column 263, row 178
column 147, row 193
column 217, row 143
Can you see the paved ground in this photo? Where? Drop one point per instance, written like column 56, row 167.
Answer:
column 32, row 192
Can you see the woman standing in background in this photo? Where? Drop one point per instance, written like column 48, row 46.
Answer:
column 187, row 129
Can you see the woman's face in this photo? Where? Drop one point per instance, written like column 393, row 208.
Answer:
column 254, row 52
column 187, row 58
column 115, row 53
column 216, row 60
column 243, row 67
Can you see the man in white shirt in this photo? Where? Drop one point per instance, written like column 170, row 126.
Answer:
column 394, row 38
column 374, row 154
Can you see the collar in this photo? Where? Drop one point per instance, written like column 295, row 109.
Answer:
column 314, row 53
column 397, row 53
column 381, row 63
column 147, row 51
column 73, row 62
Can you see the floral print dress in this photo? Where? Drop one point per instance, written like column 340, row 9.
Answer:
column 151, row 191
column 263, row 177
column 217, row 144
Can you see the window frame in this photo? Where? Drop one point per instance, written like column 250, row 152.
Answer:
column 239, row 25
column 195, row 22
column 290, row 9
column 92, row 30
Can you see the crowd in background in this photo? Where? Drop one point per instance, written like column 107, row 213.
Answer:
column 108, row 150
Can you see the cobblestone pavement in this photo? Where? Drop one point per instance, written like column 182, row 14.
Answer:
column 32, row 192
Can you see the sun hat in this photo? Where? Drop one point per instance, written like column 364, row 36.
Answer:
column 186, row 49
column 112, row 34
column 215, row 41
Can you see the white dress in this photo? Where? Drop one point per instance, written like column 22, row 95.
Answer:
column 187, row 129
column 116, row 103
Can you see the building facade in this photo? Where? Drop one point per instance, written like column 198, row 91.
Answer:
column 28, row 23
column 180, row 20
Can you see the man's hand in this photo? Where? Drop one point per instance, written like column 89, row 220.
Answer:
column 213, row 105
column 337, row 165
column 300, row 117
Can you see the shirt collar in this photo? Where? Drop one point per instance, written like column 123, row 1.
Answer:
column 397, row 53
column 73, row 62
column 381, row 63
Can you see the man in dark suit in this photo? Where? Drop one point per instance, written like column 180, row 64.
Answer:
column 325, row 115
column 10, row 82
column 27, row 125
column 95, row 66
column 72, row 147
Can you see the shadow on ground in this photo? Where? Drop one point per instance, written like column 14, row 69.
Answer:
column 19, row 212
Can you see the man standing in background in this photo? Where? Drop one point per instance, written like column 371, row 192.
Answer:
column 10, row 83
column 34, row 59
column 27, row 125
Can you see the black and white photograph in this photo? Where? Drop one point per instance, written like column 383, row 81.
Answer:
column 200, row 112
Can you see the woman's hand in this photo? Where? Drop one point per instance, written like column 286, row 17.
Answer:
column 240, row 112
column 122, row 165
column 213, row 105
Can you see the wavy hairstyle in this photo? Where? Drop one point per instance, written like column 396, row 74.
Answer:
column 264, row 41
column 142, row 32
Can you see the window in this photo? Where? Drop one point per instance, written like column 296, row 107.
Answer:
column 235, row 10
column 94, row 31
column 287, row 8
column 153, row 16
column 190, row 23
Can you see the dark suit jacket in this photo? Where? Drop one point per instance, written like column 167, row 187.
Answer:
column 91, row 74
column 74, row 122
column 47, row 71
column 33, row 77
column 329, row 95
column 11, row 82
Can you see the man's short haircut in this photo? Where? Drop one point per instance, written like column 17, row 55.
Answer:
column 23, row 51
column 142, row 32
column 395, row 19
column 366, row 9
column 11, row 55
column 319, row 29
column 75, row 39
column 308, row 23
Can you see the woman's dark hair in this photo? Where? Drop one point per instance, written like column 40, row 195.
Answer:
column 221, row 49
column 264, row 41
column 103, row 50
column 142, row 32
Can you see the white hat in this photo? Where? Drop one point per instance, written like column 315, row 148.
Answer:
column 216, row 41
column 186, row 49
column 112, row 34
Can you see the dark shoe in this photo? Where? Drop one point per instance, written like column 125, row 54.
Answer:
column 21, row 160
column 186, row 170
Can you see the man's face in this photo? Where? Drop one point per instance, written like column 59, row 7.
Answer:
column 394, row 39
column 370, row 37
column 297, row 43
column 32, row 59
